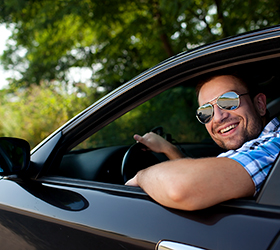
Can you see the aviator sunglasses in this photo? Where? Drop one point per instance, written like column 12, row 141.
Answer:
column 226, row 101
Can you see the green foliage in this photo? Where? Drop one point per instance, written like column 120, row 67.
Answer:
column 174, row 110
column 35, row 112
column 122, row 37
column 116, row 40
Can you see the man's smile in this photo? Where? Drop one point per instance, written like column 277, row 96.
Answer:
column 228, row 128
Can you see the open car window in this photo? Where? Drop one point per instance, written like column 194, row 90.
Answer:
column 171, row 113
column 173, row 110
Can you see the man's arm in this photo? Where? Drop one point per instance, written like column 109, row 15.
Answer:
column 192, row 184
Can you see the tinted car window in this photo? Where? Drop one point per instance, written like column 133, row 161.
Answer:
column 100, row 157
column 173, row 110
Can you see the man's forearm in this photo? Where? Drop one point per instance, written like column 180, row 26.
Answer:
column 192, row 184
column 173, row 153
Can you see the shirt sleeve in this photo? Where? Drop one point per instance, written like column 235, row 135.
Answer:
column 257, row 158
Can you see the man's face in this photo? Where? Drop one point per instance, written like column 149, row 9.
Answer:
column 230, row 129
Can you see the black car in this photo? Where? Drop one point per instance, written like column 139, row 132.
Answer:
column 71, row 195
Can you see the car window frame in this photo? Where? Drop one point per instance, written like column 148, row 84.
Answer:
column 270, row 192
column 150, row 88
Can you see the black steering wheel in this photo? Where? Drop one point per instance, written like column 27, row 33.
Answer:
column 139, row 157
column 136, row 158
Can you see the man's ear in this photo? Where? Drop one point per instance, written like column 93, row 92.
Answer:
column 260, row 103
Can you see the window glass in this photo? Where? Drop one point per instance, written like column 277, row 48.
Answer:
column 100, row 157
column 173, row 110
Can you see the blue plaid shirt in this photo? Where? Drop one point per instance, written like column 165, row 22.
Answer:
column 258, row 155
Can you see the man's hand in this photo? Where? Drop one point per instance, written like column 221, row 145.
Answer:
column 159, row 145
column 132, row 182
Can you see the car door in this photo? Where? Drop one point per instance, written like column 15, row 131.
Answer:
column 56, row 213
column 72, row 211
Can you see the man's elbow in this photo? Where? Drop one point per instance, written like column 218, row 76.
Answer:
column 185, row 199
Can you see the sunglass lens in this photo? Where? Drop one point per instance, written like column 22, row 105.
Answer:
column 228, row 101
column 204, row 113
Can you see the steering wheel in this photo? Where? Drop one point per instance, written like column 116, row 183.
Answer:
column 136, row 158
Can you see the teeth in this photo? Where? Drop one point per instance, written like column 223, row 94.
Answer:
column 228, row 128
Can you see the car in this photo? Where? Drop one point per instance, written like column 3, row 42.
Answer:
column 69, row 192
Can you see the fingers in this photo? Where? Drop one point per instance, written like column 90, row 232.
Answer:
column 158, row 144
column 145, row 139
column 152, row 141
column 137, row 138
column 132, row 182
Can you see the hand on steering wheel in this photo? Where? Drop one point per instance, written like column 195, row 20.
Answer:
column 136, row 158
column 140, row 155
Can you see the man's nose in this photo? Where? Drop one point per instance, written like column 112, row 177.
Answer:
column 219, row 114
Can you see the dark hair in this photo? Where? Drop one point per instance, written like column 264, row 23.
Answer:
column 240, row 78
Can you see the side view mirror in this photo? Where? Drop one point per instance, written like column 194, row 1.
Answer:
column 14, row 155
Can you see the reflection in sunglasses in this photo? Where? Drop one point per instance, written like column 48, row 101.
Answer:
column 227, row 101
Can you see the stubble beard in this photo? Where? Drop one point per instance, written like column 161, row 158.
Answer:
column 252, row 132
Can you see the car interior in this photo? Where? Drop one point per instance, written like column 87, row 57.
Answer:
column 112, row 156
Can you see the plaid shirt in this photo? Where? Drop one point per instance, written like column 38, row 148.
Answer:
column 257, row 156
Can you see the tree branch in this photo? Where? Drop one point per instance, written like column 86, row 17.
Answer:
column 163, row 36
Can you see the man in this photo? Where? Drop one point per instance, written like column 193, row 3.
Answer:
column 237, row 123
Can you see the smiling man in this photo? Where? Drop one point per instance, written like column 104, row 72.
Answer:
column 230, row 129
column 237, row 122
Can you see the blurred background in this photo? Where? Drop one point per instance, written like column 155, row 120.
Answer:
column 58, row 57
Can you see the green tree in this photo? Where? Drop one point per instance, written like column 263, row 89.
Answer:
column 115, row 40
column 33, row 113
column 118, row 39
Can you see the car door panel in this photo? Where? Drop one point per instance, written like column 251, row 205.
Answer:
column 37, row 233
column 122, row 219
column 41, row 224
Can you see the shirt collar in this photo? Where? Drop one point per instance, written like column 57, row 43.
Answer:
column 272, row 126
